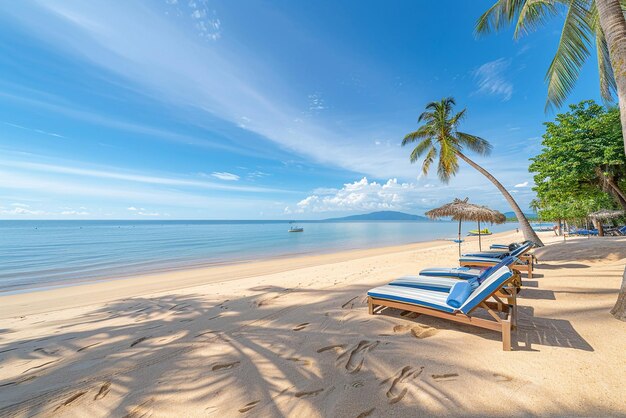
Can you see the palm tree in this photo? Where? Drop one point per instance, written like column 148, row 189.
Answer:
column 588, row 23
column 439, row 138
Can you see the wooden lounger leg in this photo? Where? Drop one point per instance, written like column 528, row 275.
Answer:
column 506, row 334
column 370, row 306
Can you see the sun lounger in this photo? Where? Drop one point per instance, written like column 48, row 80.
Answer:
column 524, row 261
column 508, row 247
column 515, row 252
column 461, row 272
column 488, row 296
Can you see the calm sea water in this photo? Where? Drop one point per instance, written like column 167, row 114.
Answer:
column 36, row 254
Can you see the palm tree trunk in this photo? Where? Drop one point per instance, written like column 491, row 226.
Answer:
column 614, row 27
column 527, row 230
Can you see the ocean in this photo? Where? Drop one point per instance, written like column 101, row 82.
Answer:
column 41, row 254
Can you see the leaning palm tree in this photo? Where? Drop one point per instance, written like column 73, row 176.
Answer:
column 588, row 24
column 439, row 138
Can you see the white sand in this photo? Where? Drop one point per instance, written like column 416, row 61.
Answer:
column 293, row 337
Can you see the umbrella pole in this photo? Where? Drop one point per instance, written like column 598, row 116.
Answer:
column 480, row 245
column 459, row 238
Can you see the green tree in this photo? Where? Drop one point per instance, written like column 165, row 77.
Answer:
column 588, row 24
column 439, row 138
column 582, row 157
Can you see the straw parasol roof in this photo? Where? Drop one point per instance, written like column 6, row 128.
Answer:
column 606, row 214
column 461, row 210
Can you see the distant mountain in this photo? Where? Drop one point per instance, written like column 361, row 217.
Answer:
column 528, row 215
column 385, row 215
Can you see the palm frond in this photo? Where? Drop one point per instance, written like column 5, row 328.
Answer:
column 457, row 118
column 608, row 88
column 475, row 143
column 428, row 160
column 498, row 16
column 448, row 162
column 571, row 54
column 421, row 133
column 533, row 14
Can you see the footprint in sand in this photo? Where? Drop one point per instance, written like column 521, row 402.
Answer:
column 445, row 377
column 418, row 331
column 502, row 378
column 301, row 326
column 299, row 360
column 423, row 331
column 395, row 394
column 71, row 399
column 139, row 340
column 331, row 347
column 409, row 314
column 365, row 414
column 309, row 394
column 356, row 356
column 248, row 406
column 104, row 391
column 225, row 366
column 349, row 304
column 87, row 347
column 142, row 410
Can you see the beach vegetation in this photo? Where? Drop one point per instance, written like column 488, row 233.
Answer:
column 582, row 166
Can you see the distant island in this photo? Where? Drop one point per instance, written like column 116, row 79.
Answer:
column 510, row 216
column 385, row 215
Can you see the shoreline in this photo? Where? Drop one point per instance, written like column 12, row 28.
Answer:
column 60, row 296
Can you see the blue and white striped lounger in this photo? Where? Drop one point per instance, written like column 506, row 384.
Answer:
column 500, row 255
column 457, row 272
column 444, row 278
column 436, row 284
column 434, row 303
column 522, row 262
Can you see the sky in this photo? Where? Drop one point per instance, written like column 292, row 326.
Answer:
column 225, row 109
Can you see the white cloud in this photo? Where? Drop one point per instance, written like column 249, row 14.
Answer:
column 222, row 175
column 524, row 184
column 132, row 209
column 362, row 195
column 491, row 79
column 75, row 212
column 148, row 213
column 20, row 205
column 20, row 210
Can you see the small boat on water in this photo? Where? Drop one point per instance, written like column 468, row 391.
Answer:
column 475, row 232
column 295, row 228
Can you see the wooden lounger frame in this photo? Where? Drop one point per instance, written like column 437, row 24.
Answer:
column 526, row 265
column 504, row 314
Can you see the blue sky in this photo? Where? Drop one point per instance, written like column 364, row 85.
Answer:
column 256, row 110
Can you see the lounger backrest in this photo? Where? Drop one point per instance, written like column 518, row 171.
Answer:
column 490, row 284
column 521, row 249
column 507, row 262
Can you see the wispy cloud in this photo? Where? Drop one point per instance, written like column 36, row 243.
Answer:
column 491, row 79
column 39, row 131
column 222, row 175
column 114, row 173
column 519, row 185
column 183, row 73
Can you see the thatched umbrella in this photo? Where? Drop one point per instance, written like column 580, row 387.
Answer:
column 461, row 210
column 604, row 214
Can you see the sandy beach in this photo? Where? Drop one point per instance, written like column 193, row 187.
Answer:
column 292, row 337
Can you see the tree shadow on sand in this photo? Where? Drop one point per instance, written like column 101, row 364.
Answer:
column 136, row 356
